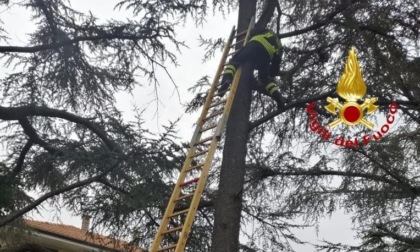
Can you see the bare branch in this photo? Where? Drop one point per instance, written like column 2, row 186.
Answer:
column 34, row 137
column 16, row 113
column 38, row 48
column 19, row 163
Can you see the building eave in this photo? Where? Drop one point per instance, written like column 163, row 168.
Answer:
column 68, row 242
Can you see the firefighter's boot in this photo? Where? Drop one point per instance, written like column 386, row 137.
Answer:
column 224, row 85
column 227, row 79
column 274, row 92
column 278, row 98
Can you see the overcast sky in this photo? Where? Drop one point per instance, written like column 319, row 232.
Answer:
column 16, row 22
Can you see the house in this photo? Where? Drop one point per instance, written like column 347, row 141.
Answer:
column 54, row 237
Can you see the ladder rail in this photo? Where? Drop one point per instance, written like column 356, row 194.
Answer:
column 235, row 83
column 171, row 206
column 200, row 181
column 212, row 90
column 196, row 198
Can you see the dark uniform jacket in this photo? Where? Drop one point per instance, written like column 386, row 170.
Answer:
column 272, row 44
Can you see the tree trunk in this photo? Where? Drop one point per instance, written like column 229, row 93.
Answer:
column 228, row 205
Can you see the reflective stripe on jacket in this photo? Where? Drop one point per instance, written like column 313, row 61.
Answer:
column 264, row 40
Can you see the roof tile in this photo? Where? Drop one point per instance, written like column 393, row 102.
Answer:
column 78, row 234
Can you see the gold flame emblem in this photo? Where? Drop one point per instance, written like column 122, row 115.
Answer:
column 351, row 88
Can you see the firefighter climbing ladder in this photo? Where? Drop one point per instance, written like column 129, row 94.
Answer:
column 176, row 223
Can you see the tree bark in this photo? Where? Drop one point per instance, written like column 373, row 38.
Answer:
column 228, row 204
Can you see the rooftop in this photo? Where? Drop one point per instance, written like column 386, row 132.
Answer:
column 78, row 235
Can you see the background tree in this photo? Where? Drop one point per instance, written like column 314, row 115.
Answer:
column 66, row 140
column 84, row 155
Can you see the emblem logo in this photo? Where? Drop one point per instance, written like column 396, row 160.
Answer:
column 351, row 88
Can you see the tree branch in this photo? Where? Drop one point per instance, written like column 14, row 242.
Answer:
column 126, row 193
column 411, row 115
column 376, row 31
column 414, row 243
column 16, row 113
column 21, row 159
column 403, row 181
column 34, row 137
column 37, row 48
column 303, row 102
column 399, row 102
column 328, row 18
column 295, row 104
column 50, row 19
column 267, row 13
column 150, row 215
column 301, row 61
column 53, row 193
column 319, row 173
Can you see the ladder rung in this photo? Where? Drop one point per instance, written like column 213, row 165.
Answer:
column 172, row 246
column 208, row 128
column 238, row 42
column 203, row 140
column 186, row 196
column 189, row 182
column 172, row 230
column 199, row 153
column 179, row 213
column 195, row 167
column 220, row 93
column 232, row 53
column 214, row 115
column 241, row 33
column 218, row 103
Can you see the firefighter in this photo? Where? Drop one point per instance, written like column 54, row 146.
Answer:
column 263, row 50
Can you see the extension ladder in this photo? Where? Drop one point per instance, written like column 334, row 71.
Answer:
column 176, row 223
